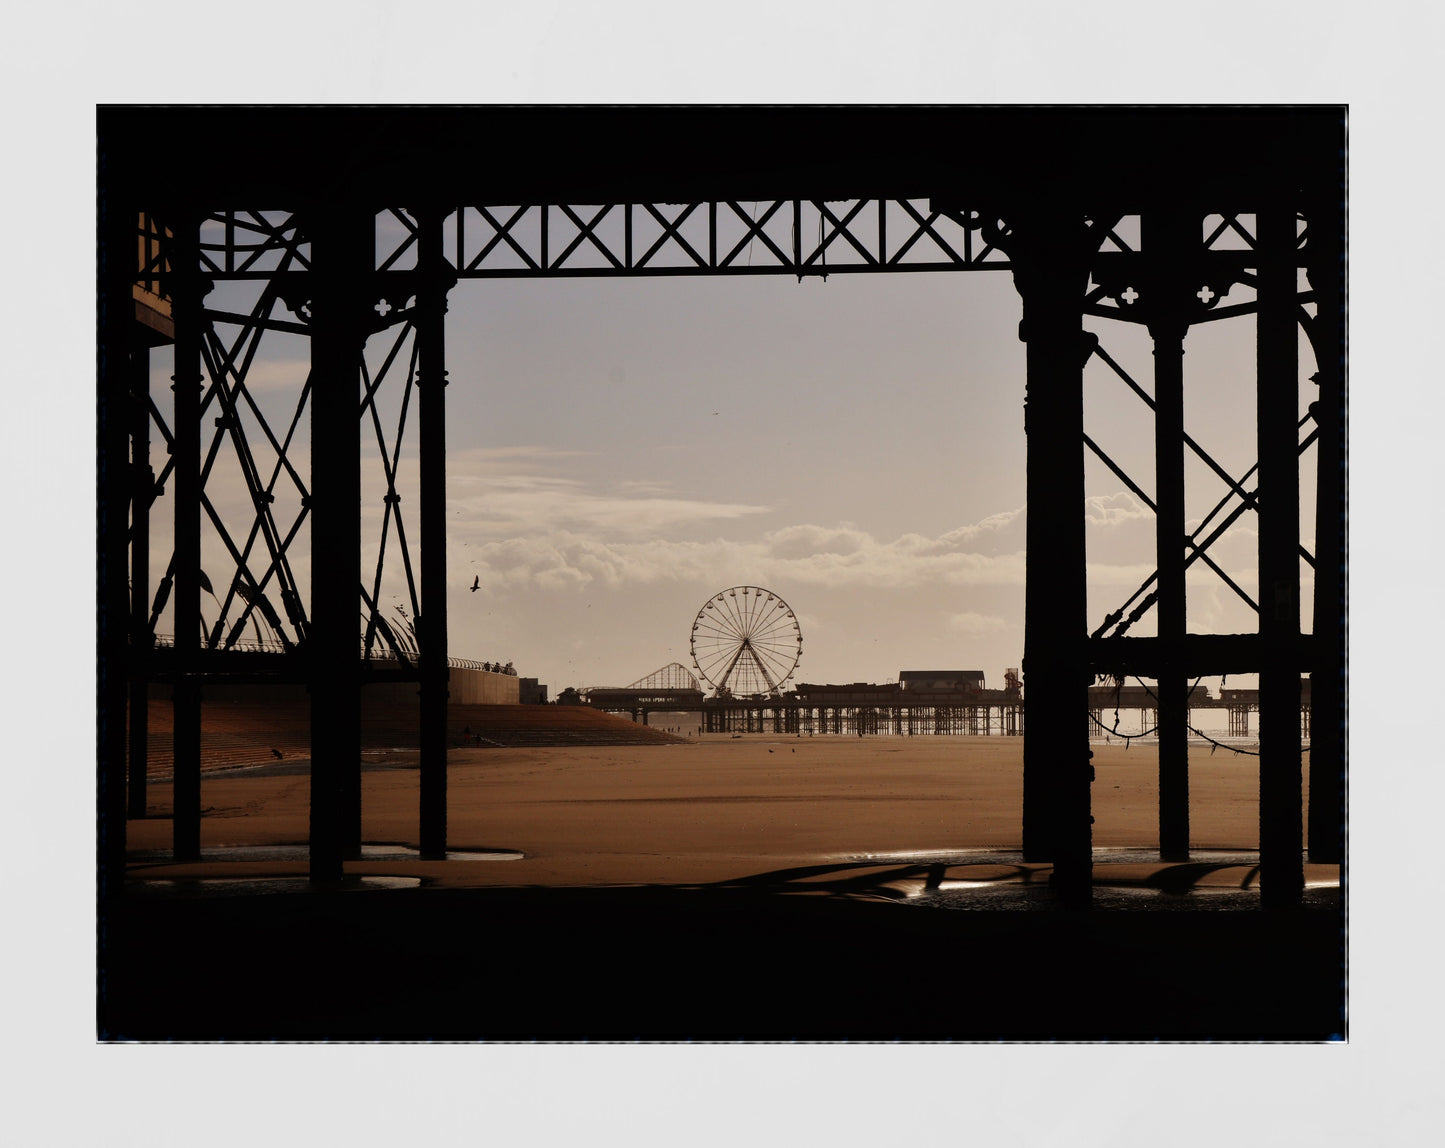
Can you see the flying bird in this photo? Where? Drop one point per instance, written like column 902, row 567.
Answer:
column 476, row 582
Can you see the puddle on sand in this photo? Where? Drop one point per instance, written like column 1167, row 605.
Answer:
column 407, row 853
column 252, row 886
column 1109, row 898
column 302, row 853
column 1102, row 854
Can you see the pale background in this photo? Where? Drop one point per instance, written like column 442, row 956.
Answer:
column 60, row 60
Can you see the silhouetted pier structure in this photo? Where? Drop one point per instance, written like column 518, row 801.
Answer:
column 902, row 708
column 347, row 227
column 865, row 715
column 1240, row 703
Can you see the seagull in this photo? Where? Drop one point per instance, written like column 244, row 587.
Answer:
column 476, row 582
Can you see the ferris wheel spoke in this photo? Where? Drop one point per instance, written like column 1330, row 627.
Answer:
column 762, row 616
column 774, row 634
column 763, row 667
column 780, row 665
column 745, row 617
column 714, row 657
column 755, row 627
column 718, row 615
column 755, row 616
column 763, row 670
column 720, row 658
column 716, row 631
column 727, row 673
column 722, row 623
column 733, row 615
column 773, row 657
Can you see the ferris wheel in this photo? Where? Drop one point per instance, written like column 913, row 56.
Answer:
column 746, row 640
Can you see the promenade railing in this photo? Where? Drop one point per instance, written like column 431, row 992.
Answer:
column 251, row 646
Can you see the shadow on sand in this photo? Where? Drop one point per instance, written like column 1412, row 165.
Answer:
column 733, row 961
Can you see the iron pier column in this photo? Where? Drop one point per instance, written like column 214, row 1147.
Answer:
column 1168, row 248
column 1327, row 682
column 1280, row 797
column 115, row 309
column 187, row 295
column 142, row 492
column 435, row 279
column 1050, row 255
column 343, row 262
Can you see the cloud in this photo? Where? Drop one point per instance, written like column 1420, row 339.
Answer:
column 803, row 541
column 631, row 487
column 517, row 521
column 974, row 625
column 801, row 555
column 518, row 491
column 993, row 524
column 562, row 534
column 465, row 466
column 539, row 504
column 1114, row 509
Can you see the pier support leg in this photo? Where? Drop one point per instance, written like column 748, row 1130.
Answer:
column 1050, row 274
column 188, row 291
column 342, row 245
column 1280, row 783
column 142, row 483
column 1167, row 245
column 1327, row 681
column 115, row 311
column 431, row 382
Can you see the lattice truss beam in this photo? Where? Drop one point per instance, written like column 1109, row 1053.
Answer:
column 256, row 413
column 1227, row 274
column 722, row 237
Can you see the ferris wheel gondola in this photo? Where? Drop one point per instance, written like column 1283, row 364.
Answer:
column 746, row 640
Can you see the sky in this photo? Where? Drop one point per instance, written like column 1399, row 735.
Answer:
column 621, row 450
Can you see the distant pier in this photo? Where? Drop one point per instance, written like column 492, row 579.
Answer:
column 1240, row 704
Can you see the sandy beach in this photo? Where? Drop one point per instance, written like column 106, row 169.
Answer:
column 720, row 807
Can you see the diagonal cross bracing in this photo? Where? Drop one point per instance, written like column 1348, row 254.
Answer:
column 390, row 464
column 733, row 236
column 1198, row 548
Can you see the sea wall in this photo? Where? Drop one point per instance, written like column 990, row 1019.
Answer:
column 466, row 687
